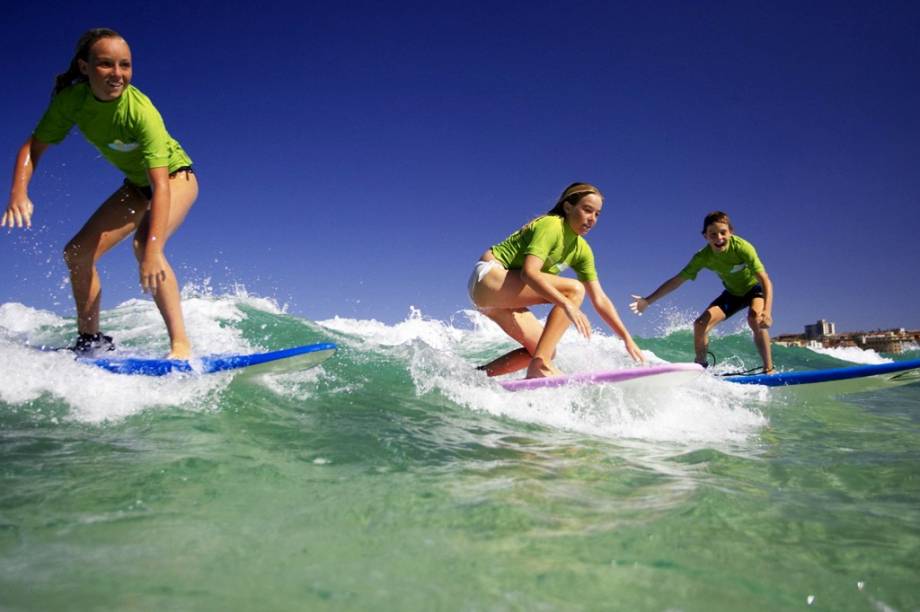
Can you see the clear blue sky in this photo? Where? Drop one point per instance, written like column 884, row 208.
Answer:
column 356, row 157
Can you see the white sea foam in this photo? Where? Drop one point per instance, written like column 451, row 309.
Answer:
column 438, row 355
column 441, row 357
column 674, row 319
column 853, row 354
column 373, row 333
column 93, row 394
column 17, row 320
column 97, row 396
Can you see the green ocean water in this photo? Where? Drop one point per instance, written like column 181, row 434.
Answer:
column 395, row 477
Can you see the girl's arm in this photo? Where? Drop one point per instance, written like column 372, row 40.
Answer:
column 667, row 287
column 605, row 308
column 19, row 209
column 536, row 279
column 766, row 317
column 153, row 264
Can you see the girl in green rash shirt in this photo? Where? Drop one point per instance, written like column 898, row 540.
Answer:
column 523, row 270
column 96, row 94
column 746, row 286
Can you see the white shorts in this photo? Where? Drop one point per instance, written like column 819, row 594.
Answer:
column 479, row 272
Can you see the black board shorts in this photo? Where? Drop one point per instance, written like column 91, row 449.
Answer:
column 730, row 304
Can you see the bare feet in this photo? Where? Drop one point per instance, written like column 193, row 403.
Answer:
column 539, row 368
column 180, row 350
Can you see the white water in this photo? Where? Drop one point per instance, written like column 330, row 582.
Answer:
column 439, row 356
column 852, row 354
column 95, row 396
column 441, row 359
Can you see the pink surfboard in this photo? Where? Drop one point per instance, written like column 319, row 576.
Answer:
column 666, row 374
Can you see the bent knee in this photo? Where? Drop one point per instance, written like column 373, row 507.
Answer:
column 575, row 292
column 704, row 323
column 76, row 254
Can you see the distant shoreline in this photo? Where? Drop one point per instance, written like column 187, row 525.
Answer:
column 881, row 340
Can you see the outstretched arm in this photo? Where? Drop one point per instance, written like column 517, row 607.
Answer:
column 19, row 208
column 604, row 307
column 667, row 287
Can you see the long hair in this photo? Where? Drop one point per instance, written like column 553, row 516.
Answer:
column 573, row 195
column 86, row 42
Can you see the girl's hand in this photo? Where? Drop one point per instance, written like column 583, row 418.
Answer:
column 18, row 212
column 578, row 318
column 765, row 320
column 639, row 305
column 153, row 272
column 634, row 351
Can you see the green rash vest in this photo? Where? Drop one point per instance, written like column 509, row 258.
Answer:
column 737, row 266
column 551, row 239
column 128, row 131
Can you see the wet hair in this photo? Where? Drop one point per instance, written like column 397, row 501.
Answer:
column 717, row 216
column 573, row 195
column 86, row 42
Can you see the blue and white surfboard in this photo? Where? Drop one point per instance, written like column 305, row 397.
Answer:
column 275, row 362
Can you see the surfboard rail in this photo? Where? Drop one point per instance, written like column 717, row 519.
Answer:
column 280, row 361
column 677, row 372
column 785, row 379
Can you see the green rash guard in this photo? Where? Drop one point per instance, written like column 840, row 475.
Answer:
column 128, row 131
column 737, row 266
column 551, row 239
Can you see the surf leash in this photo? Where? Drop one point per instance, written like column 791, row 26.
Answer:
column 757, row 370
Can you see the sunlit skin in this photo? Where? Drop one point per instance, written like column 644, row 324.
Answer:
column 506, row 295
column 718, row 235
column 583, row 216
column 108, row 70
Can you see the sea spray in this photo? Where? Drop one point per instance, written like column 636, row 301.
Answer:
column 398, row 477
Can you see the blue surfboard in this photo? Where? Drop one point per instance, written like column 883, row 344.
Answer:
column 896, row 372
column 275, row 362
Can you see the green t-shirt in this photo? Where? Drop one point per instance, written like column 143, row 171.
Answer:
column 551, row 239
column 736, row 266
column 128, row 131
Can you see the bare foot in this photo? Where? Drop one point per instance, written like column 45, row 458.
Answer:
column 539, row 368
column 180, row 350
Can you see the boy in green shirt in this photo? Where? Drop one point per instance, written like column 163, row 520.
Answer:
column 746, row 285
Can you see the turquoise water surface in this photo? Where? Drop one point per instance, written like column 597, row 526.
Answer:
column 396, row 477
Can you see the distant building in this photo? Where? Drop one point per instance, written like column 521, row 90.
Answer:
column 820, row 330
column 824, row 333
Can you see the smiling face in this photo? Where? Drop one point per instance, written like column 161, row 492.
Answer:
column 581, row 217
column 108, row 68
column 718, row 235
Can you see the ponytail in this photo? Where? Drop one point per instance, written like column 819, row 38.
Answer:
column 73, row 75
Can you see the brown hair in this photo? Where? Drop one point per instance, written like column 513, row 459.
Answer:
column 717, row 216
column 573, row 195
column 73, row 75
